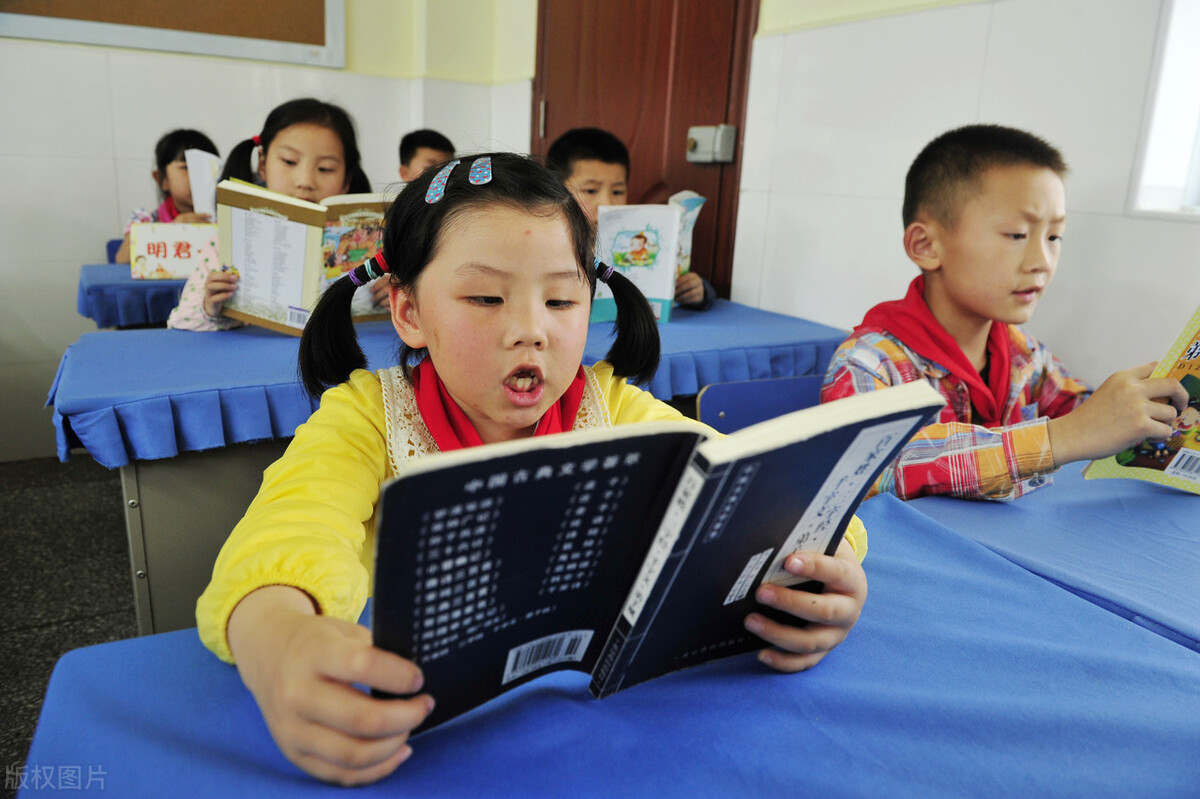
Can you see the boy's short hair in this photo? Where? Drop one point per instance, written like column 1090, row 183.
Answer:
column 425, row 137
column 945, row 175
column 585, row 144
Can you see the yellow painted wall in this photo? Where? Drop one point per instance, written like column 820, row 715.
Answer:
column 480, row 41
column 782, row 16
column 383, row 38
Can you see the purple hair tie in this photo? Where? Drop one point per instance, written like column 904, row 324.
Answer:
column 603, row 271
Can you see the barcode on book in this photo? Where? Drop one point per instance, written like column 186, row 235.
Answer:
column 1185, row 464
column 544, row 652
column 297, row 317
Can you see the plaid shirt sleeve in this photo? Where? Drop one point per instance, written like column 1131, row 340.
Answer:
column 946, row 457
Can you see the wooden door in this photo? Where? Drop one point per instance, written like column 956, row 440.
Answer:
column 647, row 70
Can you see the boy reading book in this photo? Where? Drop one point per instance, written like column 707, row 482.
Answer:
column 594, row 165
column 984, row 214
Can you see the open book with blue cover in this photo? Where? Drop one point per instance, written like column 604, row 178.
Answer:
column 626, row 553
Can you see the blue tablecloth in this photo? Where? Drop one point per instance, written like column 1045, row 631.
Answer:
column 966, row 676
column 1131, row 547
column 146, row 394
column 112, row 298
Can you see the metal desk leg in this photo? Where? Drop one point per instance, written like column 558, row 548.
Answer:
column 178, row 513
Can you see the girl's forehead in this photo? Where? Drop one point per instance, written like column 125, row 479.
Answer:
column 310, row 137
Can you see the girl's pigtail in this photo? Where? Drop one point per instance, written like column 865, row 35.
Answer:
column 329, row 348
column 635, row 352
column 239, row 164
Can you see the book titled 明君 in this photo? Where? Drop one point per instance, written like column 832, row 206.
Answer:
column 286, row 251
column 626, row 553
column 1175, row 461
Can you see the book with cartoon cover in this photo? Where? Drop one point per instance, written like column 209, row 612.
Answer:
column 625, row 553
column 1174, row 462
column 285, row 251
column 642, row 242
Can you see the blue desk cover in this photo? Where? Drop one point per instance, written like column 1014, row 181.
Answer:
column 1131, row 547
column 145, row 394
column 112, row 298
column 966, row 676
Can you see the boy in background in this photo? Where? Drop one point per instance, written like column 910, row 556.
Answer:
column 422, row 149
column 984, row 214
column 594, row 165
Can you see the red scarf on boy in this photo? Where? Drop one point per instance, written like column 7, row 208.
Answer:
column 911, row 321
column 452, row 429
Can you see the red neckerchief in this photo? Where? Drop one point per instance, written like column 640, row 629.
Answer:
column 167, row 211
column 452, row 429
column 911, row 321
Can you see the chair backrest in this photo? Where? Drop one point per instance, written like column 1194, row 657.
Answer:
column 110, row 249
column 726, row 407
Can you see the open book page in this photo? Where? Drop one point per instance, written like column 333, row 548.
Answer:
column 276, row 248
column 273, row 243
column 1174, row 462
column 203, row 171
column 689, row 204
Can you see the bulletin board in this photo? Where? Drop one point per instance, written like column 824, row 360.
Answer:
column 309, row 32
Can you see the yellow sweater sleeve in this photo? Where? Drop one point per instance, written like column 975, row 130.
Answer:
column 311, row 523
column 629, row 405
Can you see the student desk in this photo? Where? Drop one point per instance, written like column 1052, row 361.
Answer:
column 1129, row 546
column 108, row 295
column 192, row 419
column 965, row 676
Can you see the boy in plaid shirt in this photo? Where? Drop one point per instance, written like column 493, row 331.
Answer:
column 984, row 213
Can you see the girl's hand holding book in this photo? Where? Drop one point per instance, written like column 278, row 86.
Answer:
column 218, row 287
column 830, row 614
column 302, row 669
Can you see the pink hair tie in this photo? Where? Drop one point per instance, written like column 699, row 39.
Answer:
column 257, row 140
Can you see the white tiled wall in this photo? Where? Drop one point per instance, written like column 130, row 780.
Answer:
column 836, row 114
column 76, row 151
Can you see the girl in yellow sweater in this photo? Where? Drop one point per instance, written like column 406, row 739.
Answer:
column 491, row 277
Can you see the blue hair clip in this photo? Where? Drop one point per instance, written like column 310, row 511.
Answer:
column 481, row 171
column 438, row 186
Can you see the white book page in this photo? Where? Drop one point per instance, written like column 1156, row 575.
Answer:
column 203, row 171
column 838, row 492
column 269, row 254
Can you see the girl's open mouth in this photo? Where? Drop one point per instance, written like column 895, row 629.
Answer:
column 524, row 387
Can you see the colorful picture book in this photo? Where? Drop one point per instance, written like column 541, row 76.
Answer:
column 626, row 553
column 642, row 241
column 1176, row 461
column 168, row 250
column 285, row 251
